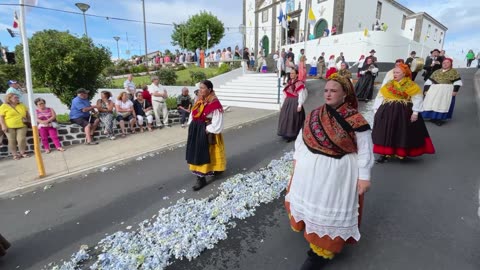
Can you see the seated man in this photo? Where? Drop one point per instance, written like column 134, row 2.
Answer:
column 184, row 105
column 81, row 113
column 143, row 109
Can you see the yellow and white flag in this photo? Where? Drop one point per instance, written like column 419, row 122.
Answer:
column 311, row 17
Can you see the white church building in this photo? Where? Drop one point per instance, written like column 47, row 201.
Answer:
column 358, row 28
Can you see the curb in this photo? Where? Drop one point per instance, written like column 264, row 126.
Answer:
column 64, row 177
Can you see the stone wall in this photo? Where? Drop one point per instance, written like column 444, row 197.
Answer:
column 72, row 134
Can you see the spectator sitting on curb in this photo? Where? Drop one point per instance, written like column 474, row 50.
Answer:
column 82, row 114
column 146, row 95
column 125, row 112
column 196, row 96
column 143, row 109
column 105, row 108
column 184, row 105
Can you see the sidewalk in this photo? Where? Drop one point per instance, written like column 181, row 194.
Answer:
column 20, row 176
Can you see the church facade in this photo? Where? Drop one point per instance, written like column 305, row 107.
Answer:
column 333, row 26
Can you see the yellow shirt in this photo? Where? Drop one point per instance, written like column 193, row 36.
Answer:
column 13, row 117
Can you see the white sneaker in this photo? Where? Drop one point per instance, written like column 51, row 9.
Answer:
column 112, row 138
column 183, row 125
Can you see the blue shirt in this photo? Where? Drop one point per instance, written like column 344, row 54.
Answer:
column 17, row 92
column 76, row 109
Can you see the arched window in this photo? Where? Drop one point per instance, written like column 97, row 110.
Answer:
column 320, row 27
column 265, row 45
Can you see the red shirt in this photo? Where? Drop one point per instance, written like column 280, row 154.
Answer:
column 146, row 95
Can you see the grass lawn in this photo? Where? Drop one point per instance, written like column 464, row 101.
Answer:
column 183, row 77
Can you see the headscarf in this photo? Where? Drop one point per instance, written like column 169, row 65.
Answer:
column 331, row 131
column 405, row 69
column 347, row 86
column 449, row 59
column 361, row 57
column 332, row 57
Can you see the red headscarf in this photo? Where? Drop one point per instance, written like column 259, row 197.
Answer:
column 332, row 57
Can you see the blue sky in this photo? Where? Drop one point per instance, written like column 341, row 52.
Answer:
column 460, row 16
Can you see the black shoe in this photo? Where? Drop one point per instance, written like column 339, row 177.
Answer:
column 201, row 182
column 313, row 261
column 381, row 159
column 439, row 123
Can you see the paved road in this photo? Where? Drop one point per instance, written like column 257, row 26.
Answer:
column 420, row 215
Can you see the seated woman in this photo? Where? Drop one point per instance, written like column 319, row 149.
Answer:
column 143, row 109
column 105, row 108
column 47, row 126
column 125, row 112
column 13, row 118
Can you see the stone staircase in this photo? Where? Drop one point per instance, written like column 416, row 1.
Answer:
column 251, row 90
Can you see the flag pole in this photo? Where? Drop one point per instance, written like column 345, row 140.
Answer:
column 207, row 38
column 28, row 77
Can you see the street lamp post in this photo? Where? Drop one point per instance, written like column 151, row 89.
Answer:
column 145, row 32
column 118, row 51
column 83, row 7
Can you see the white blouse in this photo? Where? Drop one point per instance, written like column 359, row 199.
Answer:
column 216, row 126
column 302, row 97
column 417, row 101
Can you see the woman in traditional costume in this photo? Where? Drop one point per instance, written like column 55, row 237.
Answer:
column 331, row 65
column 399, row 129
column 344, row 71
column 332, row 162
column 292, row 113
column 4, row 245
column 440, row 92
column 389, row 75
column 313, row 68
column 302, row 69
column 364, row 85
column 205, row 148
column 359, row 65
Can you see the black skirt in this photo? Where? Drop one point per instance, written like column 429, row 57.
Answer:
column 364, row 86
column 197, row 144
column 394, row 133
column 4, row 245
column 290, row 121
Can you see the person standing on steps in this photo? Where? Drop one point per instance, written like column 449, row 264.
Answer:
column 205, row 153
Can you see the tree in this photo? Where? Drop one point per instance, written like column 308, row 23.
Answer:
column 192, row 34
column 65, row 63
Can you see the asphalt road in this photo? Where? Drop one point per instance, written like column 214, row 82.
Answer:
column 418, row 215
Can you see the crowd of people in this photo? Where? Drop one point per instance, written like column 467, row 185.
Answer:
column 133, row 110
column 335, row 145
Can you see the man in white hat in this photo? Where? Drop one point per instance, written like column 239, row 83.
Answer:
column 15, row 88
